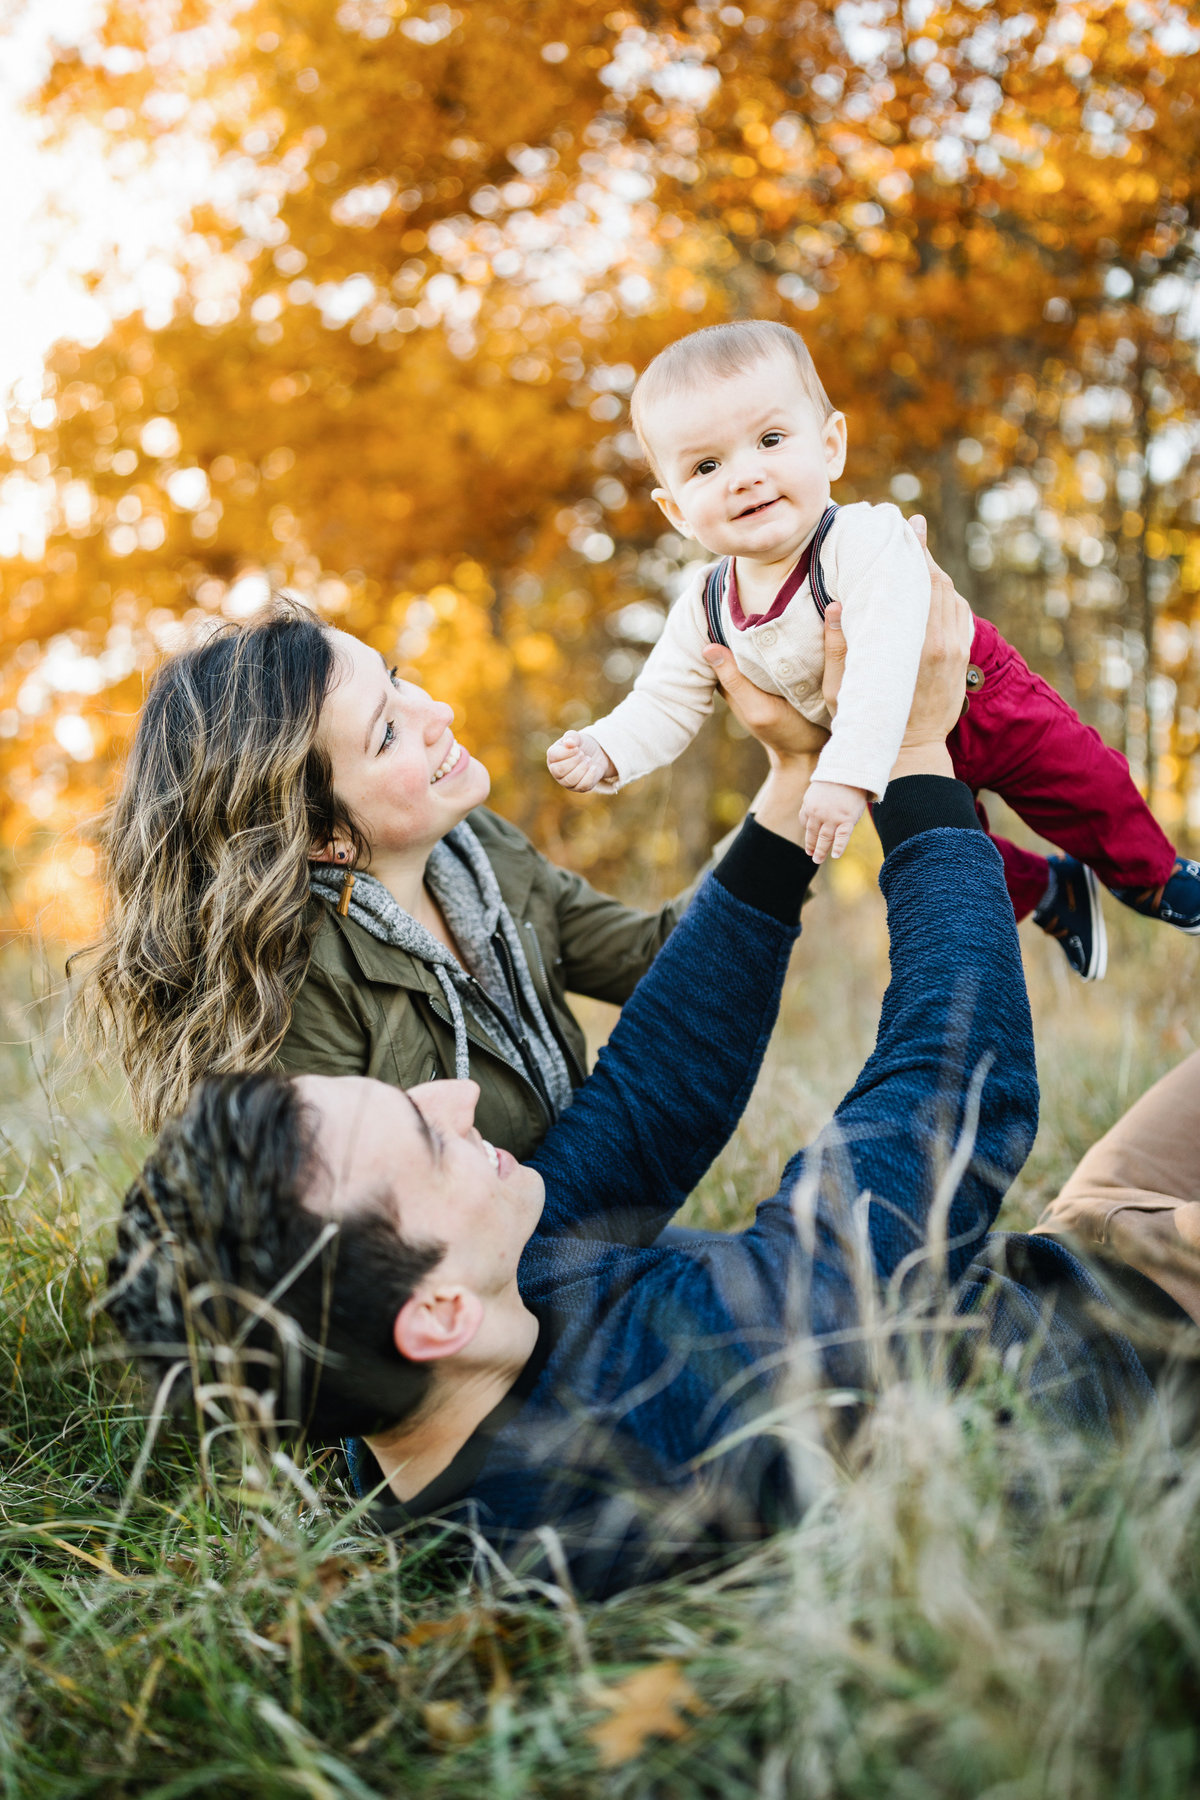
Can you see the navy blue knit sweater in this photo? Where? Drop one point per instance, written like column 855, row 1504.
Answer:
column 642, row 1430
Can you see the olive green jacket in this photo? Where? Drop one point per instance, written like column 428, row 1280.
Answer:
column 369, row 1008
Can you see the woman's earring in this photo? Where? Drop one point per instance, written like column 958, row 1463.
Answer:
column 341, row 856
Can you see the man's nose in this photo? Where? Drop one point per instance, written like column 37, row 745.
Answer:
column 451, row 1104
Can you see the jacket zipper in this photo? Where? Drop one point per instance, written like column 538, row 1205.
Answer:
column 538, row 967
column 504, row 956
column 440, row 1008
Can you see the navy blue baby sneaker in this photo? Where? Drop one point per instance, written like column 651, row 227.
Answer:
column 1176, row 902
column 1070, row 912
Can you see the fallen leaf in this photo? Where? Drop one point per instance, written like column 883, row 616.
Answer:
column 646, row 1704
column 332, row 1576
column 428, row 1631
column 448, row 1721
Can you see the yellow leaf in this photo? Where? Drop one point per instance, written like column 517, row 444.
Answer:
column 645, row 1705
column 448, row 1721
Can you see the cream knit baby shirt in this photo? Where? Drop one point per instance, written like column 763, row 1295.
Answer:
column 871, row 562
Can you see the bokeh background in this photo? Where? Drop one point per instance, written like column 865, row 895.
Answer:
column 348, row 299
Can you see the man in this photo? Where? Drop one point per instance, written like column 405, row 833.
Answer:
column 514, row 1345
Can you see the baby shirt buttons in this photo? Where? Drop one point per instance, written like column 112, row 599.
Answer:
column 767, row 635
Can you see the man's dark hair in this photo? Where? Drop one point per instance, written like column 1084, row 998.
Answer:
column 220, row 1265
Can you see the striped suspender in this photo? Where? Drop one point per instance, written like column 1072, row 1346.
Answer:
column 717, row 579
column 816, row 579
column 714, row 587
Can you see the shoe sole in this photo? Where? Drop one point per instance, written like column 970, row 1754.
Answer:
column 1098, row 963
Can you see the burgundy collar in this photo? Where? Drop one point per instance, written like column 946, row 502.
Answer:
column 779, row 605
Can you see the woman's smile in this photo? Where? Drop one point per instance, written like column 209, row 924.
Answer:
column 455, row 759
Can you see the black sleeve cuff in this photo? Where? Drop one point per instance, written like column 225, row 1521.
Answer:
column 919, row 803
column 766, row 871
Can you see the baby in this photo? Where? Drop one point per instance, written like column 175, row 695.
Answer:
column 742, row 437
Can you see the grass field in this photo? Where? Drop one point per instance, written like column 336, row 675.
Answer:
column 965, row 1610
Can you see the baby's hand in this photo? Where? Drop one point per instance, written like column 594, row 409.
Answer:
column 829, row 814
column 577, row 761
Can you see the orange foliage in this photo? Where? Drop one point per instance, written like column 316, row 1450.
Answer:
column 443, row 240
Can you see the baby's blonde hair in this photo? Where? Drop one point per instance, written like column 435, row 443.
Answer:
column 714, row 354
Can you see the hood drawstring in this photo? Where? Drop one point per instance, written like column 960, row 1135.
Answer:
column 462, row 1049
column 496, row 985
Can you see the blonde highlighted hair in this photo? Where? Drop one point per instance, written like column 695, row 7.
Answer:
column 206, row 847
column 714, row 354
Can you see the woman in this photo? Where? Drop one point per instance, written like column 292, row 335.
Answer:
column 300, row 869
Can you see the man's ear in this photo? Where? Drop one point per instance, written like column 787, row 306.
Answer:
column 833, row 438
column 437, row 1322
column 666, row 505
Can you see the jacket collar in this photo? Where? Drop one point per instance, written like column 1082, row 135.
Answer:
column 394, row 967
column 514, row 864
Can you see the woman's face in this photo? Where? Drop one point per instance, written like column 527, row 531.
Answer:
column 396, row 763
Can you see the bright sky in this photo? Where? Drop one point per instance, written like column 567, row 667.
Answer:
column 64, row 211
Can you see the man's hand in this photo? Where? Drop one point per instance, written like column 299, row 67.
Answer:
column 835, row 656
column 780, row 729
column 576, row 761
column 942, row 677
column 791, row 742
column 829, row 814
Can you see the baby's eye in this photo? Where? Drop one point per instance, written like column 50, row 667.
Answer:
column 389, row 736
column 707, row 466
column 771, row 438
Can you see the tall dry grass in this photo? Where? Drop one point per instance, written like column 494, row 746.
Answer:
column 966, row 1609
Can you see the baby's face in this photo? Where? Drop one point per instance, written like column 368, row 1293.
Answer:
column 746, row 462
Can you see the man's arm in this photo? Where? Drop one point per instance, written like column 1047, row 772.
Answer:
column 923, row 1147
column 687, row 1049
column 672, row 1081
column 944, row 1112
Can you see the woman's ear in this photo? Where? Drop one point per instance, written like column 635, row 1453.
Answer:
column 437, row 1322
column 340, row 854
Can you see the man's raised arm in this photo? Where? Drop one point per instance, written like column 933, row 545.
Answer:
column 910, row 1174
column 672, row 1081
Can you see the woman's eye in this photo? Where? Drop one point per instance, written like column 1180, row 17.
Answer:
column 389, row 735
column 394, row 677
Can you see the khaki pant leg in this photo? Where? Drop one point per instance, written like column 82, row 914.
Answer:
column 1136, row 1193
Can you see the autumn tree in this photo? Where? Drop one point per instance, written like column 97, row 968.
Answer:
column 440, row 243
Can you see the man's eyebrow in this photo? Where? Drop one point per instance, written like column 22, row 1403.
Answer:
column 434, row 1147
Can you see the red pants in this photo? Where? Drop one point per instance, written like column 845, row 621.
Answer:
column 1021, row 739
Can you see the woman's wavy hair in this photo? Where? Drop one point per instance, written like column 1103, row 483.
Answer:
column 206, row 850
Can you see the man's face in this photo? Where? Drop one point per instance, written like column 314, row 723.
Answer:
column 417, row 1155
column 746, row 462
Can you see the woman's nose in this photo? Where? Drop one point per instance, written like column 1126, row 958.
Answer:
column 440, row 716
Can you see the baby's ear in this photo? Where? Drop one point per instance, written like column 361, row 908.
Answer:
column 667, row 507
column 833, row 437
